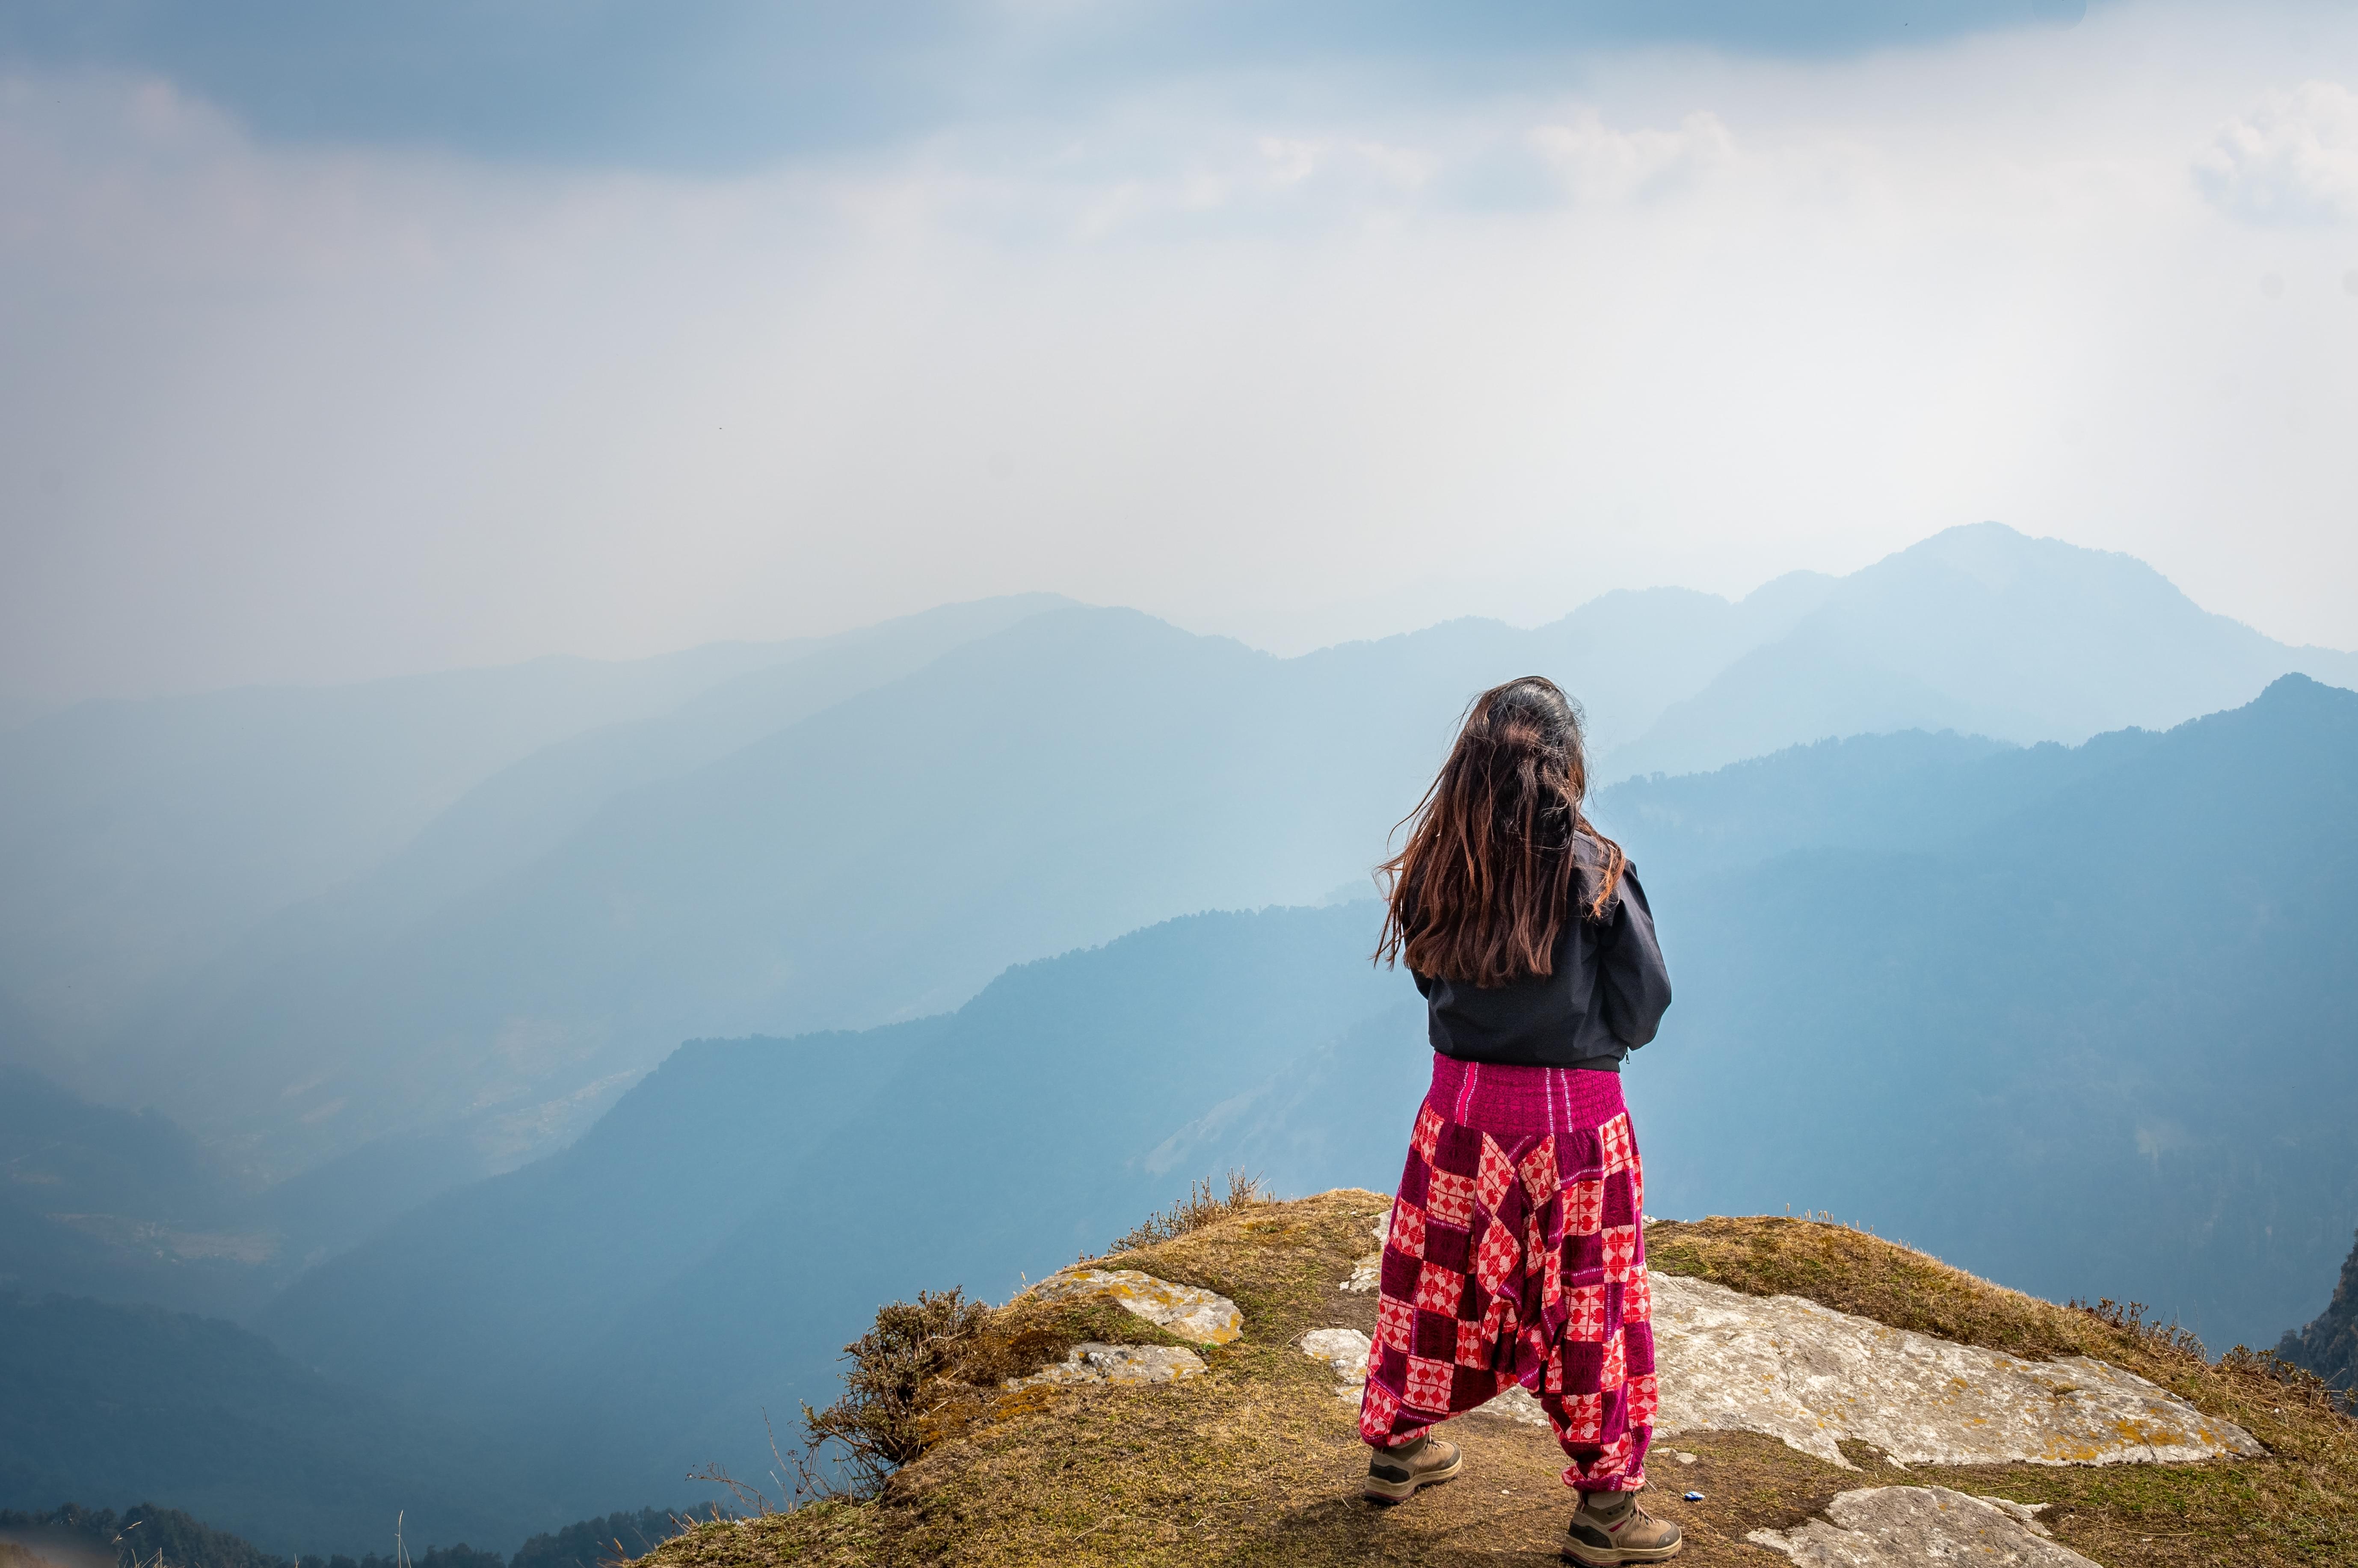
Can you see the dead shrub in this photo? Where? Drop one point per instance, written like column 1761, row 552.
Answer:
column 879, row 1425
column 1202, row 1205
column 2164, row 1339
column 2301, row 1385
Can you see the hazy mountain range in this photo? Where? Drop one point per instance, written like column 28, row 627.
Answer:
column 2015, row 1006
column 744, row 861
column 2066, row 1010
column 2078, row 1020
column 137, row 838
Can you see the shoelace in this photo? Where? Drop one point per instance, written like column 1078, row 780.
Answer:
column 1635, row 1512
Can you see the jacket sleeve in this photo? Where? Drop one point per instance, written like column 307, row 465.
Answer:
column 1636, row 983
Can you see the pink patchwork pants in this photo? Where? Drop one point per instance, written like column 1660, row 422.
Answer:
column 1517, row 1254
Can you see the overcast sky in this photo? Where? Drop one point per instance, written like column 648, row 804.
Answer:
column 339, row 341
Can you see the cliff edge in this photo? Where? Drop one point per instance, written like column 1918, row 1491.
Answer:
column 1835, row 1399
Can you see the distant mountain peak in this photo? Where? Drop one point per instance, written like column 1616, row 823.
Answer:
column 1985, row 629
column 2001, row 558
column 2295, row 687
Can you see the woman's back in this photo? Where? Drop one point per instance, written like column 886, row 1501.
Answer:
column 1603, row 997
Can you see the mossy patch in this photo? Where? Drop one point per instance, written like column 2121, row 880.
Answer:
column 1853, row 1272
column 1258, row 1463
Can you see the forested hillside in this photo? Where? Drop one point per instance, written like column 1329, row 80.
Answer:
column 120, row 1403
column 75, row 1537
column 2328, row 1346
column 119, row 1204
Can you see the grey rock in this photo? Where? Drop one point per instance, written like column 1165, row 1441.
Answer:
column 1518, row 1403
column 1902, row 1526
column 1345, row 1349
column 1791, row 1369
column 1118, row 1364
column 1189, row 1311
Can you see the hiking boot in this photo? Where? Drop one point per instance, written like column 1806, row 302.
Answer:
column 1395, row 1473
column 1610, row 1529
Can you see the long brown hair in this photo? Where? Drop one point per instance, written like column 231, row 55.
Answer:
column 1489, row 873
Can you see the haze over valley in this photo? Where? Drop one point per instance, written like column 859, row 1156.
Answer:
column 954, row 914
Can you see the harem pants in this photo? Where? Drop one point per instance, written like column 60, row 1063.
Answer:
column 1516, row 1253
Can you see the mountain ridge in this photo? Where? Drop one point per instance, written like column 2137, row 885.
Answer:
column 1340, row 736
column 1895, row 637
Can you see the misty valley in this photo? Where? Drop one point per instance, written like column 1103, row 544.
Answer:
column 489, row 1097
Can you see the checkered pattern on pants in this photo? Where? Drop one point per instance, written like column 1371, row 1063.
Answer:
column 1519, row 1259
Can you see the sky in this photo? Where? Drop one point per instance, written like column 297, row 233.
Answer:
column 346, row 341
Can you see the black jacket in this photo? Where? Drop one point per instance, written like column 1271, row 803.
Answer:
column 1606, row 998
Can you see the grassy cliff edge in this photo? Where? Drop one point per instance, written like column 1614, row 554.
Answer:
column 1257, row 1461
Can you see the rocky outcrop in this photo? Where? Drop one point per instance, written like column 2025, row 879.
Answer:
column 1118, row 1364
column 2329, row 1346
column 1256, row 1459
column 1346, row 1350
column 1902, row 1526
column 1812, row 1377
column 1795, row 1370
column 1186, row 1312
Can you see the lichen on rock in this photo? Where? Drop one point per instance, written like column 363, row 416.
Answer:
column 1187, row 1312
column 1118, row 1364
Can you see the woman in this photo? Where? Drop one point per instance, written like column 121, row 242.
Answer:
column 1515, row 1251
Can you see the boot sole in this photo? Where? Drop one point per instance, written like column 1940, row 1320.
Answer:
column 1379, row 1491
column 1614, row 1556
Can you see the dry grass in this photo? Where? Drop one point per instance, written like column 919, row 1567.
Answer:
column 1258, row 1463
column 1202, row 1205
column 1856, row 1272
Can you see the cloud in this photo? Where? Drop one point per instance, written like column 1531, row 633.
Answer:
column 716, row 84
column 1598, row 163
column 2292, row 160
column 1293, row 355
